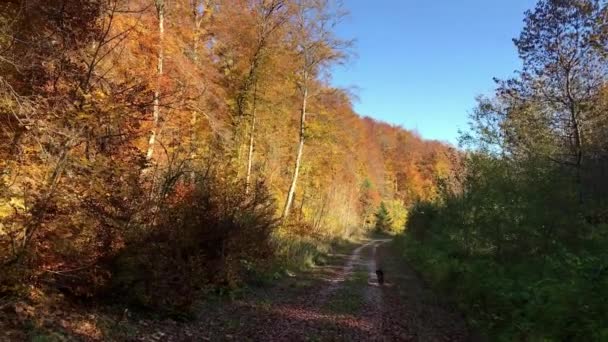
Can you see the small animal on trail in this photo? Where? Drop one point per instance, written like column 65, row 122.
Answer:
column 380, row 275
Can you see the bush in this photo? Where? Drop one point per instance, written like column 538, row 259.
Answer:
column 420, row 219
column 298, row 244
column 208, row 236
column 559, row 298
column 515, row 252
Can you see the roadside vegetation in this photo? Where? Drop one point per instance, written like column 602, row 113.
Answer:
column 520, row 243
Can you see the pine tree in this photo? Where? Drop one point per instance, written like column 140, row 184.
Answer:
column 383, row 219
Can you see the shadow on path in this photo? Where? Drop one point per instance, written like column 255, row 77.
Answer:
column 341, row 301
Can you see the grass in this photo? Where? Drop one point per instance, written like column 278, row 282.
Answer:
column 38, row 334
column 349, row 298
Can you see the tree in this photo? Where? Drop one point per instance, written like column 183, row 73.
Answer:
column 384, row 221
column 316, row 49
column 271, row 19
column 201, row 12
column 159, row 5
column 563, row 49
column 368, row 199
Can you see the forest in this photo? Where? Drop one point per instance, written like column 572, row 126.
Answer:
column 159, row 153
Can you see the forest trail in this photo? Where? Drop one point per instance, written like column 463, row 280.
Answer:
column 339, row 301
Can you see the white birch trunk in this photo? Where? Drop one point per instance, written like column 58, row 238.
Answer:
column 296, row 171
column 160, row 11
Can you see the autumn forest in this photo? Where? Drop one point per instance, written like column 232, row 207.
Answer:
column 180, row 160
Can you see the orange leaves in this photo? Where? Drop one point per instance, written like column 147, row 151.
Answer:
column 75, row 182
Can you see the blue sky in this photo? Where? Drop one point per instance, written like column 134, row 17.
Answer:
column 421, row 63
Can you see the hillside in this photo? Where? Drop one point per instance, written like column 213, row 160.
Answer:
column 185, row 141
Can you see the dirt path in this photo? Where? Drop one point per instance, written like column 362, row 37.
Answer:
column 340, row 301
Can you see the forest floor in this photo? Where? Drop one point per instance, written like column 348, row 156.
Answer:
column 338, row 301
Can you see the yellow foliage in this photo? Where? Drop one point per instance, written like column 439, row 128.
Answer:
column 8, row 208
column 398, row 214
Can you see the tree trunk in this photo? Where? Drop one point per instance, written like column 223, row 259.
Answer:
column 296, row 171
column 578, row 145
column 160, row 11
column 578, row 139
column 197, row 21
column 302, row 203
column 251, row 138
column 193, row 146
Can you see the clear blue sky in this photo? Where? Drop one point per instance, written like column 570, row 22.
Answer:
column 421, row 63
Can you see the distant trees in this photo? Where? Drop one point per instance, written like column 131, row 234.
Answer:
column 367, row 202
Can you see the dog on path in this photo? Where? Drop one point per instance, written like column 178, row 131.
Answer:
column 380, row 276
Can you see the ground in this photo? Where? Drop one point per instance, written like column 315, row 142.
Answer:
column 339, row 301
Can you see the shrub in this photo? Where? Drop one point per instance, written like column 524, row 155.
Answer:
column 420, row 219
column 516, row 253
column 208, row 236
